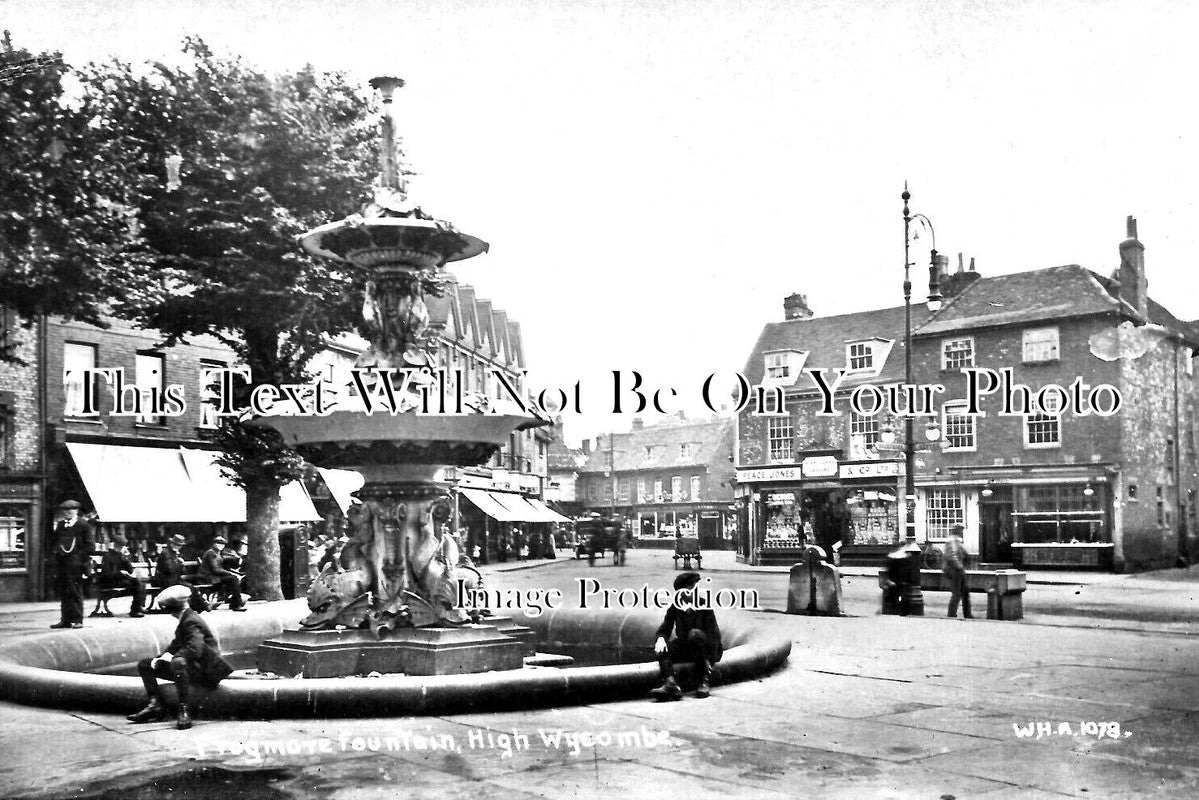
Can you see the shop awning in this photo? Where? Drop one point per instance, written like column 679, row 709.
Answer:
column 342, row 484
column 546, row 513
column 487, row 503
column 158, row 484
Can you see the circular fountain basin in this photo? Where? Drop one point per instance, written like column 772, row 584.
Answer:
column 61, row 669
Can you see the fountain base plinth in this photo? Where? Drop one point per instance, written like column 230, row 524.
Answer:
column 411, row 651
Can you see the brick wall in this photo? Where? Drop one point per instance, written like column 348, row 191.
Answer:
column 19, row 398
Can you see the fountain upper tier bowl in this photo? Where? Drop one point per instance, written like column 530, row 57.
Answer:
column 387, row 237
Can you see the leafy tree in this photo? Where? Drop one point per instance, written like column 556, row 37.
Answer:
column 228, row 165
column 69, row 240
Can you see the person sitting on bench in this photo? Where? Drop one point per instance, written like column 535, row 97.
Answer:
column 168, row 571
column 116, row 572
column 191, row 657
column 212, row 570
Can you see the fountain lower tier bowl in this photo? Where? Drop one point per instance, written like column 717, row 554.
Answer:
column 60, row 669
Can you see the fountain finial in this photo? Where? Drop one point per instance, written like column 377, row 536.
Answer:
column 389, row 171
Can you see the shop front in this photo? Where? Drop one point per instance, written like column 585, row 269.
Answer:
column 845, row 507
column 500, row 516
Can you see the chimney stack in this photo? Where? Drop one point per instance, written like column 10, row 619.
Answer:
column 795, row 306
column 952, row 285
column 1134, row 288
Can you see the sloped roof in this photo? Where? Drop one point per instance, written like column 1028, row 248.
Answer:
column 469, row 315
column 664, row 442
column 1023, row 297
column 1038, row 296
column 824, row 340
column 560, row 457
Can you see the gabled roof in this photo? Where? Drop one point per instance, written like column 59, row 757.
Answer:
column 470, row 318
column 486, row 333
column 562, row 458
column 518, row 346
column 824, row 339
column 704, row 438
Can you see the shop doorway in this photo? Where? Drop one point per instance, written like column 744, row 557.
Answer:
column 995, row 530
column 826, row 511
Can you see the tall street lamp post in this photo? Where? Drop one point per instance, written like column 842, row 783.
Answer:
column 914, row 596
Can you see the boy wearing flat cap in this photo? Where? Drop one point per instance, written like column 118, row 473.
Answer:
column 71, row 560
column 116, row 572
column 696, row 639
column 191, row 657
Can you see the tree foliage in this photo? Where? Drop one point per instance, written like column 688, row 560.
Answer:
column 69, row 239
column 226, row 166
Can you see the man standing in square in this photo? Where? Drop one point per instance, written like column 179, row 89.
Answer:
column 954, row 568
column 71, row 560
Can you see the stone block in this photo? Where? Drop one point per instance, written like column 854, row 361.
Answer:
column 814, row 588
column 411, row 651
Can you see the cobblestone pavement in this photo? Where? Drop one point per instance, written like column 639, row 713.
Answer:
column 867, row 706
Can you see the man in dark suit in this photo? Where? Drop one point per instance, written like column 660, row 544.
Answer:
column 191, row 657
column 168, row 571
column 696, row 639
column 71, row 560
column 212, row 570
column 116, row 572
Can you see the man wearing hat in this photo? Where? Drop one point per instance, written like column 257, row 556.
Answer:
column 191, row 657
column 72, row 565
column 212, row 570
column 696, row 639
column 954, row 567
column 168, row 571
column 116, row 572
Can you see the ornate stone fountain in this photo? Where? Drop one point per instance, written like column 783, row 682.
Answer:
column 389, row 605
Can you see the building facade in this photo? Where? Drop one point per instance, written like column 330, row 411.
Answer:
column 665, row 480
column 1033, row 485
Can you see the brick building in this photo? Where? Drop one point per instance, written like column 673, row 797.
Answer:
column 1046, row 489
column 671, row 478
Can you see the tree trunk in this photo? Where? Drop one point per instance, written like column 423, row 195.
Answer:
column 262, row 521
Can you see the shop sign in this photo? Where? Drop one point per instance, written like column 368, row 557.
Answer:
column 790, row 472
column 873, row 469
column 820, row 467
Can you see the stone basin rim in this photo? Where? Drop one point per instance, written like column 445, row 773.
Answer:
column 36, row 670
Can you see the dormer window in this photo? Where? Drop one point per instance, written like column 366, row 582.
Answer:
column 777, row 366
column 782, row 367
column 861, row 356
column 684, row 451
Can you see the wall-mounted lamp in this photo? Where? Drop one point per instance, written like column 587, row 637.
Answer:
column 932, row 431
column 987, row 490
column 886, row 434
column 1088, row 491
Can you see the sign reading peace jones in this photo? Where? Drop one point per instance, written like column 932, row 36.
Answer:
column 817, row 467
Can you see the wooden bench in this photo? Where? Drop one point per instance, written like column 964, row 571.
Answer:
column 687, row 548
column 145, row 571
column 1004, row 589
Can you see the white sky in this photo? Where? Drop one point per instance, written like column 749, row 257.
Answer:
column 654, row 177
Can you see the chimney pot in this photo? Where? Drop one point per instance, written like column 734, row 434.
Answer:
column 1131, row 224
column 960, row 267
column 972, row 269
column 1134, row 286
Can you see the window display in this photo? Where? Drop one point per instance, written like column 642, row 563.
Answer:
column 873, row 517
column 785, row 526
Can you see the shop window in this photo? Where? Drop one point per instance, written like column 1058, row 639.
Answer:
column 784, row 527
column 694, row 487
column 943, row 509
column 676, row 488
column 779, row 438
column 873, row 516
column 1040, row 345
column 1042, row 430
column 14, row 522
column 151, row 369
column 958, row 428
column 1065, row 514
column 957, row 353
column 77, row 357
column 861, row 356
